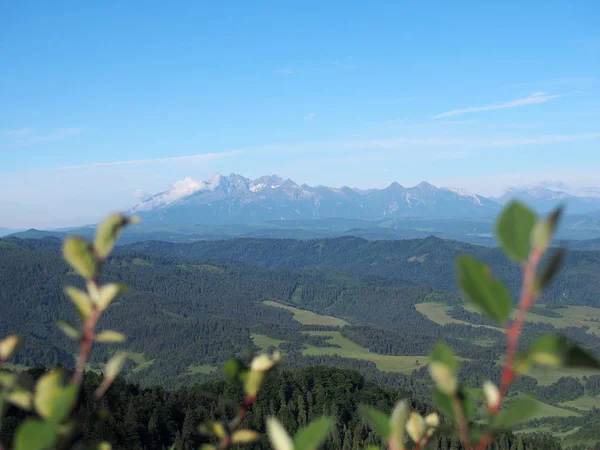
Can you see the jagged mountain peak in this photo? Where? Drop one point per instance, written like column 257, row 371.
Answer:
column 237, row 199
column 395, row 186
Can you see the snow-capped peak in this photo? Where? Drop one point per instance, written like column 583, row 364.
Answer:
column 464, row 194
column 267, row 181
column 180, row 189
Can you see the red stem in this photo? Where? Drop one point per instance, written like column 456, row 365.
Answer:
column 237, row 420
column 514, row 330
column 88, row 336
column 421, row 445
column 514, row 333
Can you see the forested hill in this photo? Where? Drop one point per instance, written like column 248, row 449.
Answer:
column 181, row 315
column 428, row 262
column 152, row 418
column 376, row 307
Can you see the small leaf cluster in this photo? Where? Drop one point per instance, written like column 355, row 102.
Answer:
column 54, row 396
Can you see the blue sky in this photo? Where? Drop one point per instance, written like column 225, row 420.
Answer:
column 103, row 100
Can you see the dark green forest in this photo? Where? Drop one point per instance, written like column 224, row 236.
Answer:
column 154, row 418
column 194, row 306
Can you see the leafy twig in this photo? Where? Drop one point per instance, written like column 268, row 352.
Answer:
column 88, row 337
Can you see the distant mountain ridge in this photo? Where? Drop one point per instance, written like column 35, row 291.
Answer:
column 543, row 198
column 237, row 199
column 7, row 231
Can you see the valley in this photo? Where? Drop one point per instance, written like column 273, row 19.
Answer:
column 377, row 307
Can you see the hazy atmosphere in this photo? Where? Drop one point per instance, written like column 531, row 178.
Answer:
column 104, row 104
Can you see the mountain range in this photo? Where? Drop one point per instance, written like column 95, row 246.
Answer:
column 226, row 207
column 237, row 199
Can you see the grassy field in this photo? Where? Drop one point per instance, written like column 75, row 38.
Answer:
column 200, row 369
column 436, row 312
column 349, row 349
column 264, row 342
column 309, row 317
column 572, row 316
column 141, row 362
column 547, row 376
column 14, row 367
column 546, row 410
column 584, row 403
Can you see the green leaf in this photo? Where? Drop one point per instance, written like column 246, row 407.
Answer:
column 551, row 268
column 244, row 437
column 444, row 403
column 416, row 427
column 312, row 436
column 232, row 369
column 443, row 354
column 64, row 404
column 253, row 382
column 69, row 330
column 543, row 231
column 513, row 228
column 108, row 293
column 7, row 379
column 380, row 423
column 8, row 345
column 35, row 435
column 557, row 351
column 521, row 410
column 81, row 301
column 47, row 390
column 398, row 422
column 80, row 256
column 108, row 232
column 578, row 357
column 443, row 367
column 114, row 365
column 20, row 398
column 468, row 403
column 109, row 336
column 280, row 439
column 482, row 290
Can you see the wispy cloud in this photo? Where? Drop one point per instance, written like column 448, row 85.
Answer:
column 22, row 132
column 56, row 135
column 310, row 116
column 202, row 157
column 496, row 185
column 28, row 136
column 567, row 81
column 409, row 145
column 533, row 99
column 284, row 72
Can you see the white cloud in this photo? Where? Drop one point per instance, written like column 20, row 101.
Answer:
column 284, row 72
column 28, row 136
column 180, row 189
column 534, row 99
column 202, row 157
column 22, row 132
column 141, row 194
column 567, row 81
column 495, row 185
column 56, row 135
column 310, row 116
column 409, row 145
